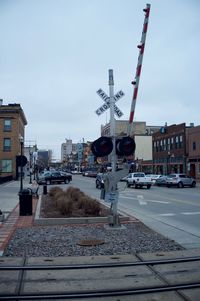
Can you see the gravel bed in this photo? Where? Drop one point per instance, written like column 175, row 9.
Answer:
column 63, row 241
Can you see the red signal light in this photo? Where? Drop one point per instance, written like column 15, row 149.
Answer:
column 102, row 147
column 125, row 146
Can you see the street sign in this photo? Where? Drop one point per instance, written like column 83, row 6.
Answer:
column 106, row 105
column 111, row 197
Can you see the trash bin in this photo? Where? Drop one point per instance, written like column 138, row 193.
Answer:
column 25, row 202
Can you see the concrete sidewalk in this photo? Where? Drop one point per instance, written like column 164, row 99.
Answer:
column 10, row 219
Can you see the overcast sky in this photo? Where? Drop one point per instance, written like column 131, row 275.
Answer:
column 55, row 55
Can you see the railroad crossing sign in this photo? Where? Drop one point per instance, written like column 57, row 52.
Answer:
column 106, row 105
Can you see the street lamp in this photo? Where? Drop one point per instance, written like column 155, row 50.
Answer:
column 30, row 166
column 34, row 161
column 21, row 167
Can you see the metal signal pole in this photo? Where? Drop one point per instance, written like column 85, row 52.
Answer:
column 113, row 154
column 112, row 118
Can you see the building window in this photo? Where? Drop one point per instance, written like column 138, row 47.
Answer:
column 7, row 125
column 6, row 166
column 181, row 141
column 194, row 145
column 172, row 142
column 164, row 144
column 168, row 144
column 7, row 144
column 157, row 145
column 176, row 142
column 161, row 145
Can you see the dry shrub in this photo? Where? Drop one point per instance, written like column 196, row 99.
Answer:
column 80, row 203
column 65, row 204
column 91, row 207
column 73, row 199
column 54, row 190
column 60, row 196
column 74, row 193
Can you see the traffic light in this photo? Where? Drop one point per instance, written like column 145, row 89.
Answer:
column 102, row 147
column 21, row 160
column 125, row 146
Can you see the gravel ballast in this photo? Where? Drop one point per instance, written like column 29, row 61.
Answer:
column 52, row 241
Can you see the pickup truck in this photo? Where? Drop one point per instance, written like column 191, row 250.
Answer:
column 138, row 180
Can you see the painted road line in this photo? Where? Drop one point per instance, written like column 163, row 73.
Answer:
column 167, row 214
column 141, row 200
column 190, row 213
column 128, row 197
column 156, row 201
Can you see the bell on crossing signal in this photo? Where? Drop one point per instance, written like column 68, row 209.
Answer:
column 125, row 146
column 102, row 147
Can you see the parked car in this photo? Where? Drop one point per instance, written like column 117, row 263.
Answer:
column 124, row 179
column 50, row 177
column 153, row 178
column 180, row 180
column 76, row 172
column 99, row 181
column 161, row 181
column 138, row 180
column 90, row 173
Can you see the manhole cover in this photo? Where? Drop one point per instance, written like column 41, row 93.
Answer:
column 90, row 242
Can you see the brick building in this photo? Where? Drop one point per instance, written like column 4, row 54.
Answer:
column 170, row 149
column 12, row 126
column 193, row 162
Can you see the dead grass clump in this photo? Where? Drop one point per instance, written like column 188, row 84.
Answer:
column 54, row 190
column 80, row 203
column 64, row 204
column 59, row 196
column 74, row 193
column 91, row 207
column 73, row 201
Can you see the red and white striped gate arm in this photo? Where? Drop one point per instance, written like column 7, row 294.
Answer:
column 139, row 67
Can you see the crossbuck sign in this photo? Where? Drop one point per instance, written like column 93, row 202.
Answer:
column 106, row 105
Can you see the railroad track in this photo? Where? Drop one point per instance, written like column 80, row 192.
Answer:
column 107, row 280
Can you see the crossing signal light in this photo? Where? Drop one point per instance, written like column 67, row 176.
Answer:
column 102, row 147
column 125, row 146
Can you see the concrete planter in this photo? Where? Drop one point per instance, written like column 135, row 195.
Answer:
column 73, row 220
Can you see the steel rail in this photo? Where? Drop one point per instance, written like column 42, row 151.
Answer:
column 98, row 265
column 105, row 293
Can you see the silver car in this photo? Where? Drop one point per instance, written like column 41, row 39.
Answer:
column 180, row 180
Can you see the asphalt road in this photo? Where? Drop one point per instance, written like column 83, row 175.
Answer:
column 173, row 212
